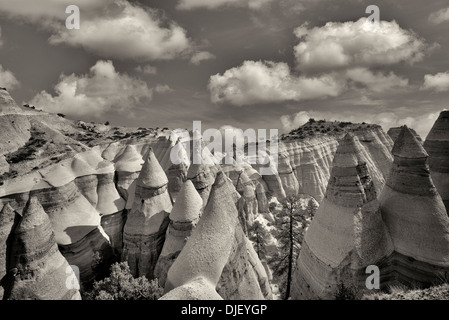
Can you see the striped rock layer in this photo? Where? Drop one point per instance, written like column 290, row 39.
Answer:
column 437, row 146
column 415, row 215
column 347, row 233
column 215, row 262
column 40, row 271
column 183, row 219
column 147, row 222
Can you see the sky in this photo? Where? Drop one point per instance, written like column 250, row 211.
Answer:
column 262, row 64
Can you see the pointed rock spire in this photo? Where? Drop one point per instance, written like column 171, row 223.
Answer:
column 183, row 219
column 147, row 222
column 437, row 145
column 7, row 215
column 42, row 270
column 214, row 259
column 130, row 160
column 393, row 133
column 414, row 211
column 408, row 146
column 347, row 233
column 152, row 175
column 188, row 204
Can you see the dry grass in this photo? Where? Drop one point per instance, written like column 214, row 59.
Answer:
column 440, row 292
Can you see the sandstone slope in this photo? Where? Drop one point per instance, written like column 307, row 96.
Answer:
column 347, row 233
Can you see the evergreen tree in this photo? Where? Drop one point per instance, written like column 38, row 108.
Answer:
column 291, row 223
column 259, row 235
column 312, row 207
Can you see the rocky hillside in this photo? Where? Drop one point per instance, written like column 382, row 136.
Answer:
column 102, row 194
column 400, row 226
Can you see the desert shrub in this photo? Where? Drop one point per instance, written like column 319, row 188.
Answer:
column 121, row 285
column 345, row 292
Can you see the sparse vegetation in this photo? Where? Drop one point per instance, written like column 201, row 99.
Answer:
column 345, row 292
column 291, row 222
column 121, row 285
column 439, row 292
column 28, row 150
column 320, row 127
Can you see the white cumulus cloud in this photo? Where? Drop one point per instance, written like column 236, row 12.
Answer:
column 440, row 16
column 214, row 4
column 266, row 81
column 377, row 82
column 356, row 44
column 163, row 88
column 198, row 57
column 118, row 29
column 100, row 91
column 146, row 69
column 132, row 32
column 7, row 79
column 438, row 82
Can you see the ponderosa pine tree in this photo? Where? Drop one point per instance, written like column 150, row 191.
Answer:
column 291, row 223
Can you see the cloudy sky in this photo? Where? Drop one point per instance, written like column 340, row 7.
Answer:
column 246, row 63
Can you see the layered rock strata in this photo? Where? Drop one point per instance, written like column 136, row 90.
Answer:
column 437, row 146
column 347, row 233
column 394, row 133
column 77, row 227
column 7, row 219
column 183, row 219
column 147, row 222
column 41, row 272
column 415, row 214
column 216, row 253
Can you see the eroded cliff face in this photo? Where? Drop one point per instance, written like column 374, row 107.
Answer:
column 39, row 270
column 183, row 219
column 415, row 214
column 147, row 222
column 403, row 230
column 7, row 221
column 311, row 159
column 106, row 200
column 437, row 146
column 347, row 233
column 215, row 258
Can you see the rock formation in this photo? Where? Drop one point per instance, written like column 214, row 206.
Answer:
column 7, row 216
column 127, row 166
column 437, row 146
column 216, row 253
column 147, row 222
column 15, row 126
column 183, row 219
column 347, row 233
column 77, row 228
column 394, row 133
column 202, row 178
column 41, row 272
column 415, row 215
column 111, row 207
column 247, row 190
